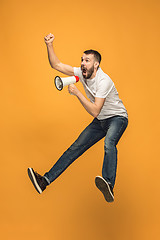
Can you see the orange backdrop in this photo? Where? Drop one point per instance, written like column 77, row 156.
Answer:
column 38, row 122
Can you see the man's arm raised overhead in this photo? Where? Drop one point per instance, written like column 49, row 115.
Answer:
column 53, row 59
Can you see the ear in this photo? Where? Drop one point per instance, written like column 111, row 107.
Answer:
column 96, row 64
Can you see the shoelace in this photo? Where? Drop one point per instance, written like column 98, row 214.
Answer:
column 42, row 182
column 38, row 175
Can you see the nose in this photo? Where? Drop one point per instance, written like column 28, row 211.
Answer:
column 83, row 63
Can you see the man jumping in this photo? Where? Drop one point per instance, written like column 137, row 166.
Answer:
column 110, row 120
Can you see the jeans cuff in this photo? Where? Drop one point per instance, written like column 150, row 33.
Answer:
column 47, row 180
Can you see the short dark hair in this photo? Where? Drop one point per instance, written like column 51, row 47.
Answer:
column 96, row 54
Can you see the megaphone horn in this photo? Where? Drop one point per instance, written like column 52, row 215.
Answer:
column 62, row 82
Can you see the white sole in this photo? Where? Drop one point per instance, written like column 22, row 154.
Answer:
column 33, row 180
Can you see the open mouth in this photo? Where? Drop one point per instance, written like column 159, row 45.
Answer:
column 84, row 70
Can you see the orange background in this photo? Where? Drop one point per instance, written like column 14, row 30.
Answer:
column 38, row 123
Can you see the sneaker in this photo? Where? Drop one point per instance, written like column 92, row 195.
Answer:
column 38, row 181
column 105, row 188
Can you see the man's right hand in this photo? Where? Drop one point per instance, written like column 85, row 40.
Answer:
column 49, row 39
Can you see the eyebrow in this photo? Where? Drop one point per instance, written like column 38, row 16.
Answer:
column 86, row 58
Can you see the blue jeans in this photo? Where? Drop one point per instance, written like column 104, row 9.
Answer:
column 112, row 129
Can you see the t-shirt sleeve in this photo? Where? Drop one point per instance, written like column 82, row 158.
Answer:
column 104, row 87
column 77, row 72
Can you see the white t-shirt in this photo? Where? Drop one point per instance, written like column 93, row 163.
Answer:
column 103, row 87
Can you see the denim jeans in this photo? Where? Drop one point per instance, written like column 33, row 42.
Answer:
column 112, row 129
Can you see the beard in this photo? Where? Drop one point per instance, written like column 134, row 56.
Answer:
column 87, row 73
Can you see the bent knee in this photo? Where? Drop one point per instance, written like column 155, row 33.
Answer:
column 109, row 144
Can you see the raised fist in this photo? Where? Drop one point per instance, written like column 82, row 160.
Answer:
column 49, row 38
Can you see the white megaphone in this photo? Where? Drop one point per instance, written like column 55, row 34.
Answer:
column 62, row 82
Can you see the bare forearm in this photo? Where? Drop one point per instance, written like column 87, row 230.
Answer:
column 53, row 59
column 91, row 108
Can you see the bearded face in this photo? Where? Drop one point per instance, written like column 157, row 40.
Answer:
column 87, row 66
column 87, row 72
